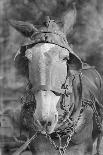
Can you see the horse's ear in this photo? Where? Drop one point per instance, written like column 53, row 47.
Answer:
column 69, row 19
column 21, row 62
column 27, row 29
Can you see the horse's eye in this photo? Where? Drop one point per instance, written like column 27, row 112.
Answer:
column 28, row 54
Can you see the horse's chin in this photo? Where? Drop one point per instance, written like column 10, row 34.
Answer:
column 48, row 130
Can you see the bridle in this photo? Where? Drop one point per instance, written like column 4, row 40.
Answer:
column 69, row 122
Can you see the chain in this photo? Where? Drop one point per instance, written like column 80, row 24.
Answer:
column 71, row 129
column 91, row 104
column 85, row 103
column 60, row 148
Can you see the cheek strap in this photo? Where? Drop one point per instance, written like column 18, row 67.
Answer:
column 68, row 91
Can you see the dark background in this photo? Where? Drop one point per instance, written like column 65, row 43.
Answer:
column 86, row 36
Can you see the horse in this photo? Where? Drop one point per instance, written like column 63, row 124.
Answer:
column 62, row 107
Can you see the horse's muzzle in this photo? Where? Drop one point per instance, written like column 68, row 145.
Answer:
column 47, row 125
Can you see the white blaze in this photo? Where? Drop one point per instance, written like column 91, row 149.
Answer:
column 46, row 104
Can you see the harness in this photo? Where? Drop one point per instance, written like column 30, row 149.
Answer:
column 68, row 126
column 68, row 122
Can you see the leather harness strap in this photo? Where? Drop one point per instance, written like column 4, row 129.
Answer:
column 50, row 33
column 82, row 101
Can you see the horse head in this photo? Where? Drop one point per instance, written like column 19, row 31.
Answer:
column 46, row 60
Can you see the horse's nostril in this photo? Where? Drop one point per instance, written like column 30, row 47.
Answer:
column 49, row 123
column 43, row 123
column 56, row 117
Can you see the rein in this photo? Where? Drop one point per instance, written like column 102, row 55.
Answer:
column 25, row 145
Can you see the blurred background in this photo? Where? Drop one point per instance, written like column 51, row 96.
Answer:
column 86, row 37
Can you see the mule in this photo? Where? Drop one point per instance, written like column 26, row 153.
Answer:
column 62, row 107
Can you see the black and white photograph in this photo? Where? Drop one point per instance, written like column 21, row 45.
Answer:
column 51, row 77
